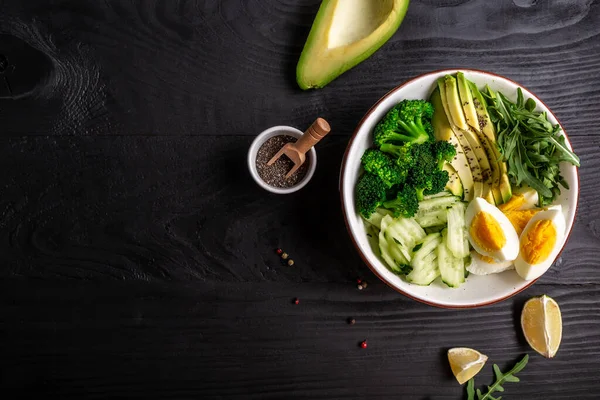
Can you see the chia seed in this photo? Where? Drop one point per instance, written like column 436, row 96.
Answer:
column 274, row 175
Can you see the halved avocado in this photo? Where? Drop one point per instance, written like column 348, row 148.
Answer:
column 345, row 33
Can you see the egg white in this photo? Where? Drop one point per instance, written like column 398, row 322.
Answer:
column 528, row 271
column 479, row 266
column 530, row 198
column 510, row 250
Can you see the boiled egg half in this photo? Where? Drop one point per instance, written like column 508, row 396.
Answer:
column 540, row 243
column 483, row 265
column 490, row 232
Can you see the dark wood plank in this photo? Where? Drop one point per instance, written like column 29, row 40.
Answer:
column 240, row 341
column 137, row 254
column 186, row 208
column 227, row 68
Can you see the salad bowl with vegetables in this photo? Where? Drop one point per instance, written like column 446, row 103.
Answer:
column 459, row 188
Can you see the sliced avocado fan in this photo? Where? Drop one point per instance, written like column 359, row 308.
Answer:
column 345, row 33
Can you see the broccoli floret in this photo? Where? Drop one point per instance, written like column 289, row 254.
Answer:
column 444, row 152
column 405, row 204
column 370, row 194
column 439, row 180
column 384, row 166
column 422, row 172
column 408, row 122
column 403, row 154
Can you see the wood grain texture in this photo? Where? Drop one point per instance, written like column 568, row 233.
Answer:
column 244, row 341
column 150, row 208
column 191, row 68
column 137, row 253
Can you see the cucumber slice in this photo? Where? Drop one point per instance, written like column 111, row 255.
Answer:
column 443, row 193
column 397, row 237
column 435, row 204
column 434, row 229
column 435, row 218
column 456, row 240
column 424, row 262
column 390, row 251
column 377, row 216
column 452, row 269
column 413, row 229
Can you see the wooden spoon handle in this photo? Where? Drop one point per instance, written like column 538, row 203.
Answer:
column 317, row 131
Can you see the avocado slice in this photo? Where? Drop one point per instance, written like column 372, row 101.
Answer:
column 451, row 102
column 443, row 131
column 471, row 116
column 454, row 184
column 466, row 99
column 462, row 128
column 345, row 33
column 487, row 128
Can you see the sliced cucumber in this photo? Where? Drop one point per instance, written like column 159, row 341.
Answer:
column 435, row 218
column 424, row 261
column 444, row 193
column 456, row 240
column 411, row 228
column 434, row 229
column 435, row 204
column 452, row 269
column 390, row 251
column 377, row 216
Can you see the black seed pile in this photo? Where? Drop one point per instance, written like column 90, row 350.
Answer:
column 274, row 175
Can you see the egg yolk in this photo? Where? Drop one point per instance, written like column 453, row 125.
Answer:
column 538, row 242
column 515, row 201
column 486, row 232
column 519, row 219
column 487, row 259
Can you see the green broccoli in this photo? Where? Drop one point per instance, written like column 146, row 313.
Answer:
column 444, row 152
column 405, row 204
column 384, row 166
column 407, row 122
column 424, row 175
column 370, row 194
column 403, row 154
column 439, row 180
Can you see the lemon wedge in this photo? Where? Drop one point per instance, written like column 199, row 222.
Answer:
column 542, row 325
column 465, row 363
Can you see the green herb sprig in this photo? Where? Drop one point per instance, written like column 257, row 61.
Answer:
column 530, row 144
column 501, row 379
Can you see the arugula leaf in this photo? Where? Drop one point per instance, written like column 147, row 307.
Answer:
column 530, row 144
column 471, row 389
column 501, row 379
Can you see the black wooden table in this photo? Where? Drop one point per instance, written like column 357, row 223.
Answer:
column 137, row 254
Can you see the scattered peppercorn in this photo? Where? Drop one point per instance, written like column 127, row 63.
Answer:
column 363, row 344
column 296, row 301
column 279, row 251
column 359, row 281
column 360, row 287
column 290, row 262
column 285, row 256
column 364, row 284
column 351, row 321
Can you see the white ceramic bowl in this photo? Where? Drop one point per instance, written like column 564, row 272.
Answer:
column 477, row 290
column 267, row 134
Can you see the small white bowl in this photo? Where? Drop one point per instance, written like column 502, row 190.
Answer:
column 477, row 290
column 311, row 157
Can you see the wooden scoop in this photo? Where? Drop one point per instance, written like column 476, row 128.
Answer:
column 297, row 151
